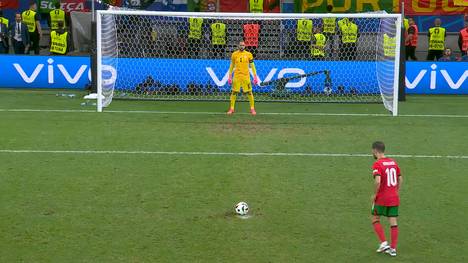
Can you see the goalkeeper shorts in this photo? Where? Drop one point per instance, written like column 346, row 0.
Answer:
column 245, row 84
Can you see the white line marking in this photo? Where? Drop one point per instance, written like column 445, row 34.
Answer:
column 243, row 113
column 43, row 110
column 233, row 153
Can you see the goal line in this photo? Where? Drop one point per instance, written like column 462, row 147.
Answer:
column 240, row 113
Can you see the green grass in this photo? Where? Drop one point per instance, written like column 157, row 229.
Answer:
column 74, row 207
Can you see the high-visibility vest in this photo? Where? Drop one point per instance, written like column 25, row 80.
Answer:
column 389, row 45
column 195, row 31
column 405, row 27
column 56, row 15
column 256, row 6
column 251, row 32
column 414, row 40
column 218, row 34
column 29, row 20
column 342, row 21
column 304, row 29
column 4, row 21
column 319, row 48
column 437, row 39
column 329, row 25
column 464, row 34
column 58, row 43
column 349, row 32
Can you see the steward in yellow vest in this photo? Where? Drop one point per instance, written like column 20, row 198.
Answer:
column 256, row 6
column 3, row 20
column 31, row 19
column 329, row 25
column 218, row 39
column 329, row 30
column 57, row 15
column 304, row 30
column 59, row 40
column 195, row 36
column 195, row 30
column 218, row 34
column 349, row 36
column 4, row 42
column 349, row 31
column 301, row 47
column 436, row 37
column 389, row 46
column 318, row 48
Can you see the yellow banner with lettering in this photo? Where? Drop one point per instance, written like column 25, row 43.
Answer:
column 412, row 7
column 461, row 2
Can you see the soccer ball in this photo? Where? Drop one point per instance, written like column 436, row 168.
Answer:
column 242, row 208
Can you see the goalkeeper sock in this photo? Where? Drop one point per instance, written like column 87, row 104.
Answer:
column 233, row 100
column 251, row 100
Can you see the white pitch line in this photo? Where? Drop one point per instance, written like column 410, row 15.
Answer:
column 243, row 113
column 43, row 110
column 232, row 153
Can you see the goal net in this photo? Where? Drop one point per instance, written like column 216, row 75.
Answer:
column 344, row 58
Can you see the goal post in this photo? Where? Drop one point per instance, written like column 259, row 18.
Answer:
column 149, row 55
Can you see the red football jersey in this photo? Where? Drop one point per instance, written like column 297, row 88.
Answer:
column 388, row 192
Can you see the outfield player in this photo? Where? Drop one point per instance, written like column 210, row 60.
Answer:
column 240, row 61
column 386, row 200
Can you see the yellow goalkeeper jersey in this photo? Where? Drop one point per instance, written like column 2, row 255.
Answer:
column 241, row 60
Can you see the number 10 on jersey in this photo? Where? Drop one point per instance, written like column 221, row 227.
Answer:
column 391, row 177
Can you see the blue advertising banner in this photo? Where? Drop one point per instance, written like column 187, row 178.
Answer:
column 44, row 72
column 436, row 77
column 215, row 72
column 127, row 73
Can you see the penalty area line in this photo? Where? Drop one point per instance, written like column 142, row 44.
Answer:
column 244, row 113
column 285, row 154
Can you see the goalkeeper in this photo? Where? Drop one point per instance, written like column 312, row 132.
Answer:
column 240, row 61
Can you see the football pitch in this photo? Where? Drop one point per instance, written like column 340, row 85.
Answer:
column 153, row 181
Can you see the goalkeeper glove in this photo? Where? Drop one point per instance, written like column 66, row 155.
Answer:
column 230, row 80
column 255, row 80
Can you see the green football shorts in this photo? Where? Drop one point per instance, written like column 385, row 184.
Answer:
column 388, row 211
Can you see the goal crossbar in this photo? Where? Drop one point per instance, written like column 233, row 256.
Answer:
column 249, row 15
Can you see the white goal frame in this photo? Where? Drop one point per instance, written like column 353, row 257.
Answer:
column 259, row 16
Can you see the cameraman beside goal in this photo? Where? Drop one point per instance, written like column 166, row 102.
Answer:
column 240, row 61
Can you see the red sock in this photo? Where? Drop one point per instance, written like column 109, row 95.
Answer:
column 379, row 231
column 394, row 235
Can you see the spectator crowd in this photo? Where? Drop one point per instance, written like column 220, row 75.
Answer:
column 23, row 35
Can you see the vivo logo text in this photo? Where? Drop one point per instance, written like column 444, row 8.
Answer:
column 50, row 72
column 271, row 74
column 433, row 76
column 59, row 70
